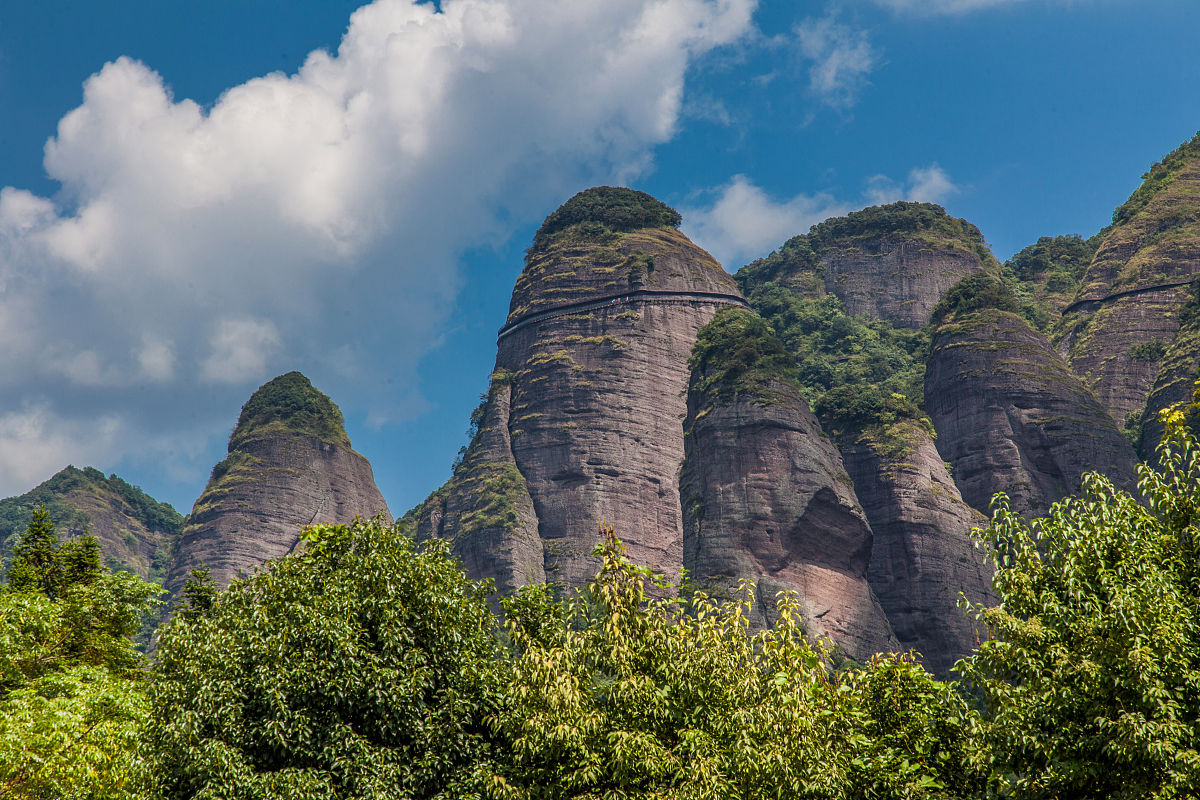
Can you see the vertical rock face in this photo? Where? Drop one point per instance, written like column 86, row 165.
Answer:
column 894, row 262
column 923, row 558
column 1117, row 329
column 485, row 510
column 593, row 365
column 1176, row 378
column 1010, row 416
column 850, row 300
column 135, row 532
column 765, row 495
column 290, row 464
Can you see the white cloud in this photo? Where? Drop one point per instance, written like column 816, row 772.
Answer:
column 241, row 350
column 743, row 222
column 36, row 443
column 156, row 360
column 928, row 184
column 840, row 59
column 932, row 7
column 197, row 251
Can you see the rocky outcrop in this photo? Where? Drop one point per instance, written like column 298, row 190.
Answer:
column 290, row 465
column 584, row 415
column 135, row 532
column 1116, row 331
column 485, row 510
column 923, row 558
column 889, row 262
column 1176, row 379
column 765, row 495
column 1010, row 416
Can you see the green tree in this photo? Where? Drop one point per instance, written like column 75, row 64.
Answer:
column 1091, row 682
column 618, row 693
column 35, row 565
column 72, row 697
column 362, row 666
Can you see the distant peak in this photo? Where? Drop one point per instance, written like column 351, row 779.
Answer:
column 617, row 208
column 290, row 403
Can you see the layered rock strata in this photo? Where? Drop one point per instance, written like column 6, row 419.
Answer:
column 290, row 465
column 1116, row 331
column 923, row 559
column 1010, row 416
column 894, row 262
column 1175, row 381
column 588, row 397
column 765, row 497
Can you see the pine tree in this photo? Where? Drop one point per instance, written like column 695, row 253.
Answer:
column 36, row 565
column 79, row 561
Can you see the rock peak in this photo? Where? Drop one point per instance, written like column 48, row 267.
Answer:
column 615, row 207
column 289, row 403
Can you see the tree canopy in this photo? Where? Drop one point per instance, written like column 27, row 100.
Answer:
column 72, row 695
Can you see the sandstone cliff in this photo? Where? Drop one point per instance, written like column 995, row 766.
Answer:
column 889, row 262
column 764, row 492
column 1010, row 416
column 923, row 558
column 1116, row 331
column 290, row 464
column 1176, row 377
column 850, row 299
column 583, row 421
column 135, row 531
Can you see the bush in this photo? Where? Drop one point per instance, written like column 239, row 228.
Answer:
column 974, row 292
column 362, row 667
column 737, row 352
column 612, row 208
column 292, row 401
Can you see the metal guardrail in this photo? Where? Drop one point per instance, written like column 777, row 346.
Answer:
column 640, row 295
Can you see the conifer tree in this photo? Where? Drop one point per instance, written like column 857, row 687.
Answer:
column 35, row 565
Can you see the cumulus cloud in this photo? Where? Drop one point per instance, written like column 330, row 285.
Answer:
column 840, row 58
column 36, row 442
column 742, row 222
column 928, row 184
column 314, row 217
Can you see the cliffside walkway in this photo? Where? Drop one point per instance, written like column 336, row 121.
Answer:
column 1125, row 293
column 655, row 296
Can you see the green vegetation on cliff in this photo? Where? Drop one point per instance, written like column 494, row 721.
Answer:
column 973, row 293
column 289, row 403
column 862, row 376
column 1160, row 176
column 69, row 494
column 738, row 353
column 855, row 372
column 1045, row 275
column 923, row 222
column 607, row 209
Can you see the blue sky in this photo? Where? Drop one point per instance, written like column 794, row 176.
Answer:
column 200, row 196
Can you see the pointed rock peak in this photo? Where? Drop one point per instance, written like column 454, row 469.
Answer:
column 289, row 404
column 615, row 208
